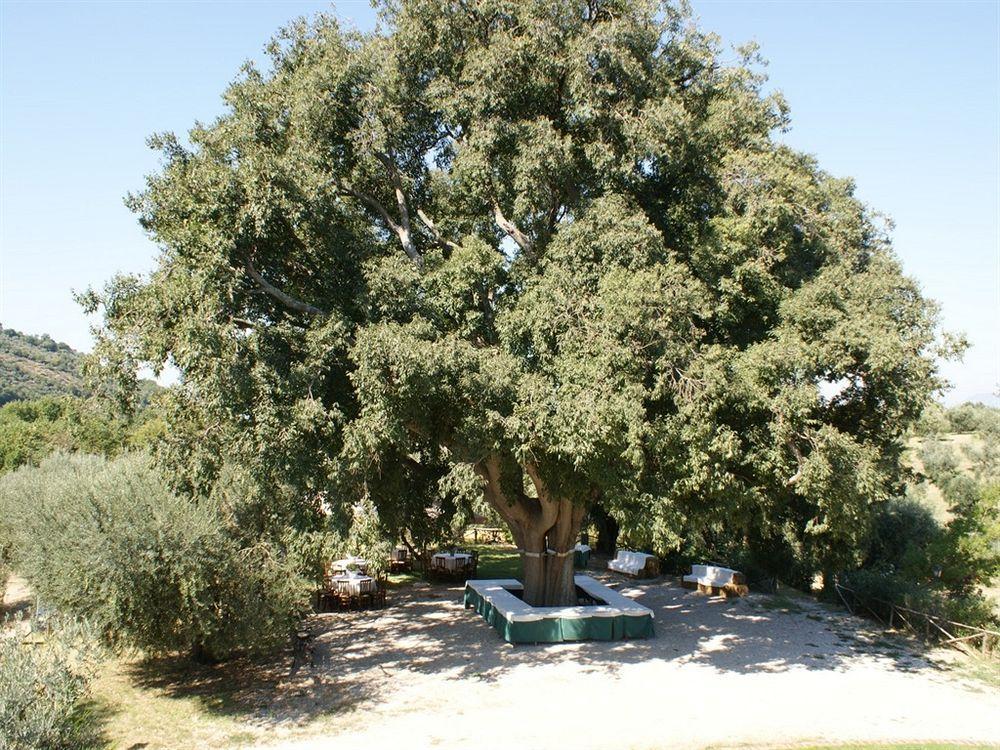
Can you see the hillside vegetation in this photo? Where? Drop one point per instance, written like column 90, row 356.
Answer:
column 36, row 366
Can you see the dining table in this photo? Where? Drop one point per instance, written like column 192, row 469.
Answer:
column 450, row 560
column 350, row 582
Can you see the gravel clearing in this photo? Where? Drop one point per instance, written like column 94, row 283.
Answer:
column 755, row 671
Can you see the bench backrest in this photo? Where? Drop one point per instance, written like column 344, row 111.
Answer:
column 631, row 560
column 714, row 572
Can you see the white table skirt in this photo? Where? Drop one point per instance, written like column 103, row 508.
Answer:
column 448, row 561
column 350, row 584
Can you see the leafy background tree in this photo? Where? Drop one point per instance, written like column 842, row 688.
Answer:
column 106, row 541
column 555, row 244
column 31, row 430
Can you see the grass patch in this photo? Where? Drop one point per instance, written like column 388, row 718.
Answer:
column 498, row 561
column 402, row 580
column 152, row 718
column 781, row 603
column 980, row 669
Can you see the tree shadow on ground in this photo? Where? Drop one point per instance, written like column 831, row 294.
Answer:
column 359, row 656
column 90, row 721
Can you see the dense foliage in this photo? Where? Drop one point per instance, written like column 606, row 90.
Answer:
column 36, row 366
column 43, row 688
column 32, row 430
column 943, row 556
column 965, row 418
column 108, row 542
column 550, row 251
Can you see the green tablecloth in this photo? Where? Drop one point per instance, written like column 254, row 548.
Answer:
column 557, row 629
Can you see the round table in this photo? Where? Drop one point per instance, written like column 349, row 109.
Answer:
column 351, row 583
column 449, row 561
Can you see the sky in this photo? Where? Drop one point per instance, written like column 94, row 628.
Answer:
column 902, row 96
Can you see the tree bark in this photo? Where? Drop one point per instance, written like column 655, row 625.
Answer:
column 544, row 528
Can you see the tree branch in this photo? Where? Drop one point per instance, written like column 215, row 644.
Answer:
column 548, row 506
column 438, row 237
column 286, row 299
column 401, row 230
column 511, row 229
column 798, row 460
column 510, row 509
column 404, row 230
column 346, row 188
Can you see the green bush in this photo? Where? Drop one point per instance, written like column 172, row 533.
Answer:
column 106, row 540
column 974, row 417
column 43, row 688
column 32, row 430
column 903, row 533
column 6, row 551
column 933, row 421
column 940, row 461
column 877, row 588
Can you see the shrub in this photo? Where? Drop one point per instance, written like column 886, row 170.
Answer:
column 974, row 417
column 876, row 587
column 43, row 689
column 106, row 540
column 903, row 533
column 933, row 421
column 940, row 461
column 6, row 551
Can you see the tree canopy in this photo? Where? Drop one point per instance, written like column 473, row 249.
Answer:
column 552, row 252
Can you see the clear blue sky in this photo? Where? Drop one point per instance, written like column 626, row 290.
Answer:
column 903, row 96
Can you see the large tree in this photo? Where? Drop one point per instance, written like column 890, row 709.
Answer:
column 553, row 247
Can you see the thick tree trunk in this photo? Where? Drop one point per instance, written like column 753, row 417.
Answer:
column 548, row 570
column 544, row 528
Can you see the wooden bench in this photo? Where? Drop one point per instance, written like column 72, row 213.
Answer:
column 715, row 580
column 635, row 564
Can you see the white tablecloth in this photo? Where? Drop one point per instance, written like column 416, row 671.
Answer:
column 448, row 561
column 351, row 582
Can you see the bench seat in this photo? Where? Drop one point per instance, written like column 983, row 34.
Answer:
column 716, row 581
column 635, row 564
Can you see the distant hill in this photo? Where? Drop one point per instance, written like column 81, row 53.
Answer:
column 34, row 366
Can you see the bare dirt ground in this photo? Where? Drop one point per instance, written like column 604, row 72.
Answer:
column 425, row 672
column 760, row 670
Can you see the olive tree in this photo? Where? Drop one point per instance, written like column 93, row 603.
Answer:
column 552, row 249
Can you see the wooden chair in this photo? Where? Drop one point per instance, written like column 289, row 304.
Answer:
column 366, row 593
column 343, row 596
column 379, row 595
column 436, row 570
column 400, row 561
column 326, row 596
